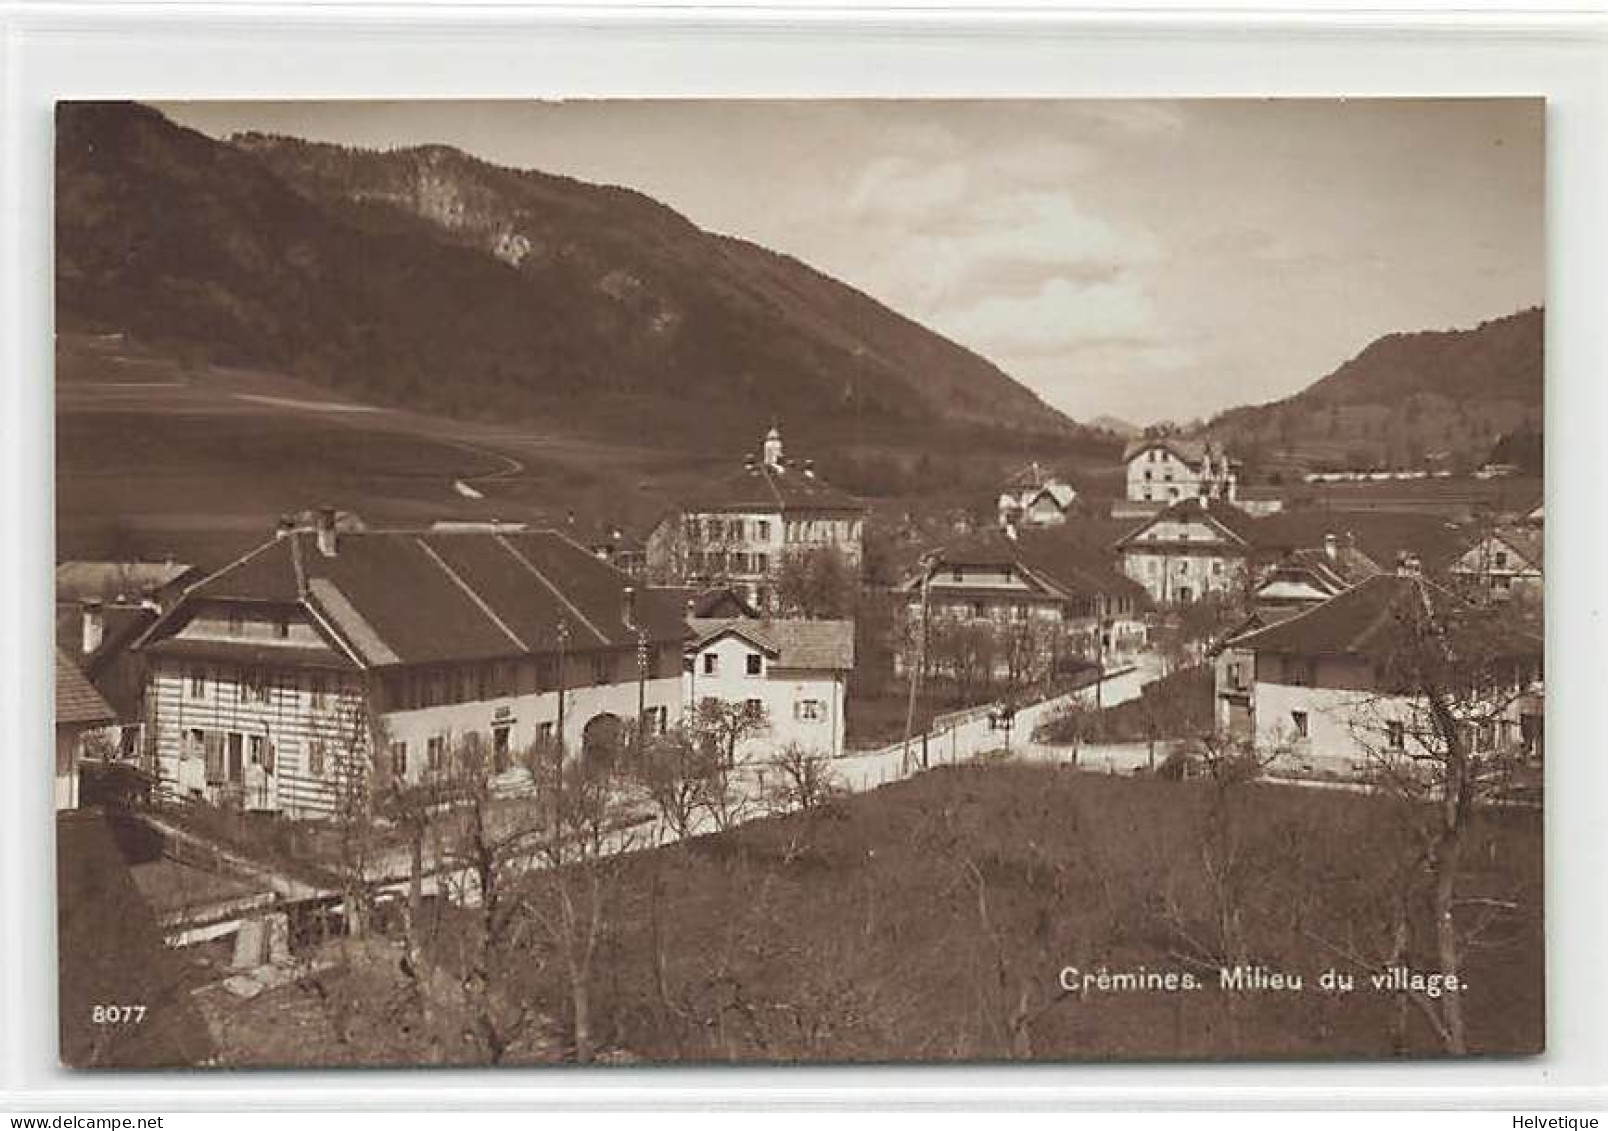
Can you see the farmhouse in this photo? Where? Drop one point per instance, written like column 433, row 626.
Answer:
column 1035, row 497
column 272, row 681
column 80, row 710
column 1167, row 469
column 1033, row 600
column 741, row 531
column 1503, row 563
column 792, row 672
column 1318, row 686
column 1193, row 550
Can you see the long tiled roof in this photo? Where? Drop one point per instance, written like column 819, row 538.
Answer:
column 409, row 597
column 77, row 701
column 1362, row 621
column 1062, row 558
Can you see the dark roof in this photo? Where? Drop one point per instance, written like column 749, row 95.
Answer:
column 812, row 644
column 1237, row 524
column 1381, row 535
column 1362, row 621
column 1190, row 451
column 123, row 624
column 77, row 701
column 411, row 597
column 787, row 486
column 253, row 655
column 1070, row 559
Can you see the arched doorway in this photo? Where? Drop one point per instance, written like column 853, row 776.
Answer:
column 601, row 738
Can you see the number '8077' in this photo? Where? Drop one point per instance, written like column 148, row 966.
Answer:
column 117, row 1014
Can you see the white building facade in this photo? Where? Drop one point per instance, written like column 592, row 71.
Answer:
column 792, row 673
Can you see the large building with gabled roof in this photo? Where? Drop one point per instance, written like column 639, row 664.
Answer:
column 271, row 680
column 1316, row 686
column 739, row 531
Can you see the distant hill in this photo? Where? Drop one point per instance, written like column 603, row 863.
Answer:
column 1117, row 425
column 427, row 278
column 1445, row 394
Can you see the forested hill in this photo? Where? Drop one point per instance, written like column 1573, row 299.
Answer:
column 1407, row 396
column 428, row 278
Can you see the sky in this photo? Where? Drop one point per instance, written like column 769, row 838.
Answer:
column 1144, row 259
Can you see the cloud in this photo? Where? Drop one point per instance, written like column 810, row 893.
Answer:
column 1058, row 318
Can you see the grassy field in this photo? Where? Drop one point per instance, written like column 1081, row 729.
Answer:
column 932, row 920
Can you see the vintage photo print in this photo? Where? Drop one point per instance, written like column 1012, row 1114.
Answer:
column 745, row 582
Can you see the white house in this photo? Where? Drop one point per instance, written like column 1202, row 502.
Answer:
column 1192, row 550
column 270, row 680
column 795, row 671
column 1167, row 469
column 1504, row 563
column 1036, row 497
column 741, row 531
column 1315, row 687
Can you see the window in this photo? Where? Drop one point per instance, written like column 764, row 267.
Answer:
column 1217, row 568
column 435, row 753
column 198, row 683
column 711, row 663
column 1501, row 559
column 213, row 746
column 315, row 758
column 399, row 760
column 320, row 689
column 237, row 756
column 282, row 626
column 544, row 734
column 195, row 743
column 957, row 574
column 1236, row 676
column 1147, row 476
column 600, row 669
column 755, row 663
column 761, row 563
column 808, row 710
column 1396, row 736
column 1298, row 671
column 753, row 708
column 256, row 750
column 1298, row 720
column 763, row 527
column 978, row 609
column 658, row 720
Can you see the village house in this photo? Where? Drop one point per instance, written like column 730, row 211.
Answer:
column 1305, row 577
column 1193, row 550
column 1035, row 497
column 1315, row 687
column 793, row 673
column 80, row 712
column 272, row 680
column 741, row 532
column 1503, row 564
column 1043, row 598
column 1164, row 470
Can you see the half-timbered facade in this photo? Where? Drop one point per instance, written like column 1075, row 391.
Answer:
column 321, row 659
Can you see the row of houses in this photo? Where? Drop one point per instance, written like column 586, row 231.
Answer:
column 268, row 683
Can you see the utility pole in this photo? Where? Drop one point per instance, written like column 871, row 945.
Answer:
column 558, row 776
column 928, row 564
column 642, row 689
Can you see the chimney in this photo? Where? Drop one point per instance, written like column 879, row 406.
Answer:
column 692, row 608
column 1331, row 547
column 326, row 532
column 628, row 606
column 94, row 627
column 750, row 463
column 809, row 469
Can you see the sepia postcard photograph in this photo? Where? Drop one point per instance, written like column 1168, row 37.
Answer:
column 792, row 582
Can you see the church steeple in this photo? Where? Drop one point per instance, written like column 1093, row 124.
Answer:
column 773, row 447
